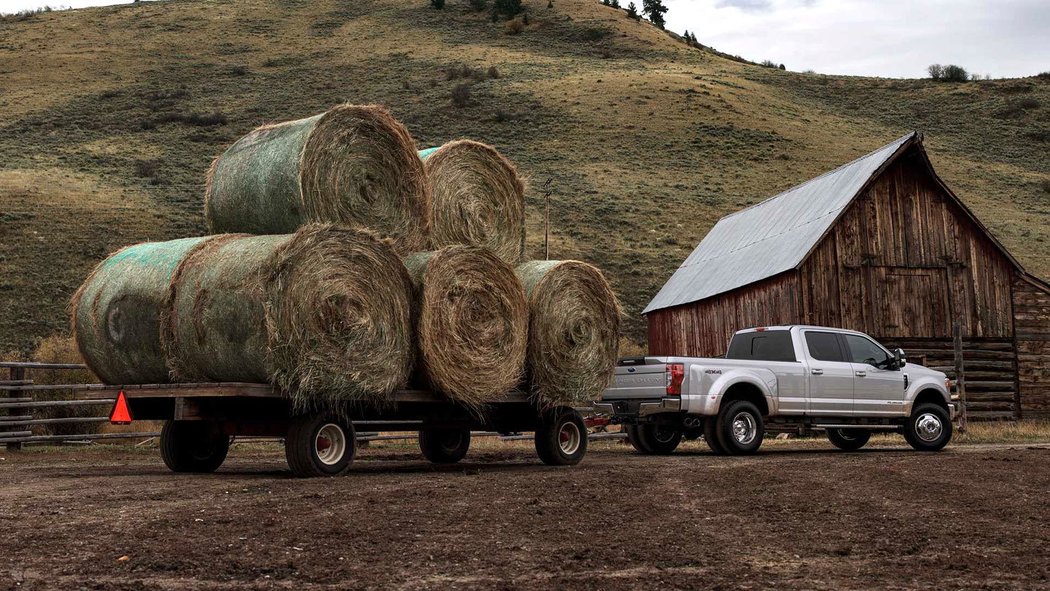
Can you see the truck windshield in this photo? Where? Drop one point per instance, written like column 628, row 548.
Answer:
column 768, row 345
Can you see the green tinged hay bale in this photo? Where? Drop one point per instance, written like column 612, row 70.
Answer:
column 324, row 314
column 574, row 323
column 115, row 313
column 478, row 198
column 471, row 326
column 354, row 165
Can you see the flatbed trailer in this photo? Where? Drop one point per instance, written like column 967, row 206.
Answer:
column 200, row 418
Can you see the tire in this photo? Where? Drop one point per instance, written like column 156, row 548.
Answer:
column 745, row 416
column 320, row 445
column 849, row 439
column 659, row 440
column 561, row 439
column 444, row 446
column 929, row 428
column 636, row 440
column 193, row 446
column 711, row 436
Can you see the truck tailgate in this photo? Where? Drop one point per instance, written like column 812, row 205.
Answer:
column 638, row 381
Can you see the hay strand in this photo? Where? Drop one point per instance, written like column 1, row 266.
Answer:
column 353, row 164
column 472, row 323
column 324, row 314
column 115, row 313
column 478, row 198
column 574, row 323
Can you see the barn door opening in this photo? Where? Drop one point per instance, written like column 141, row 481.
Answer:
column 911, row 302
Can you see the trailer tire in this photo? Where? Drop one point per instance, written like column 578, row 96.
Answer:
column 739, row 428
column 659, row 440
column 929, row 428
column 849, row 439
column 193, row 446
column 444, row 446
column 320, row 445
column 561, row 439
column 711, row 436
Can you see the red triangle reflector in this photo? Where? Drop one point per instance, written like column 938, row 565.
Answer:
column 121, row 414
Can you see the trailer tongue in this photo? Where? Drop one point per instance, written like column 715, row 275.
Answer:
column 201, row 418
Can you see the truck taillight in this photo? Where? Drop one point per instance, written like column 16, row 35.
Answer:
column 675, row 374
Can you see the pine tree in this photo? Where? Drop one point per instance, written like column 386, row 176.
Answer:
column 615, row 3
column 655, row 10
column 632, row 12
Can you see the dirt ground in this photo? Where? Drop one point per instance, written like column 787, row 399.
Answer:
column 793, row 517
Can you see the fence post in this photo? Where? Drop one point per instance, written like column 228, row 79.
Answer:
column 960, row 376
column 17, row 374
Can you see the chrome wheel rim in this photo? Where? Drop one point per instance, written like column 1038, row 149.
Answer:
column 330, row 444
column 569, row 438
column 928, row 427
column 744, row 428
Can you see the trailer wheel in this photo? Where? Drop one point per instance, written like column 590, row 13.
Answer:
column 561, row 439
column 849, row 439
column 444, row 446
column 740, row 429
column 320, row 445
column 193, row 446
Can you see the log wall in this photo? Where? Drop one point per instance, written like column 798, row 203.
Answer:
column 1032, row 340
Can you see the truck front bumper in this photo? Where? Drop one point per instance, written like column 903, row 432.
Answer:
column 953, row 409
column 639, row 408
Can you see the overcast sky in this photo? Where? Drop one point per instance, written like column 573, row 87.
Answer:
column 898, row 38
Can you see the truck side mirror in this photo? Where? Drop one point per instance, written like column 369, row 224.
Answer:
column 899, row 359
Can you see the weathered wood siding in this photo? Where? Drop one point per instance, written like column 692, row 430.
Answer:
column 905, row 261
column 703, row 329
column 1032, row 340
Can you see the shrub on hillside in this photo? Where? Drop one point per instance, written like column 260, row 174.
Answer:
column 461, row 95
column 507, row 8
column 514, row 26
column 479, row 5
column 438, row 4
column 949, row 73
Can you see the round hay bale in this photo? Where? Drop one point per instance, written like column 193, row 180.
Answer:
column 114, row 314
column 478, row 198
column 574, row 324
column 472, row 323
column 354, row 165
column 324, row 314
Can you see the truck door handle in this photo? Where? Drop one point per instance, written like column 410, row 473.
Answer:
column 817, row 372
column 861, row 374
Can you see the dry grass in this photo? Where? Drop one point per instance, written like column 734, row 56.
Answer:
column 646, row 141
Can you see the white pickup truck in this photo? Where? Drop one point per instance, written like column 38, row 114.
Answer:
column 780, row 379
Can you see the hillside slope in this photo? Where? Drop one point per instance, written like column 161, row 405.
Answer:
column 112, row 116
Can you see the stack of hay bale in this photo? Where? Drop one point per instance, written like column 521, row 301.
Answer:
column 345, row 266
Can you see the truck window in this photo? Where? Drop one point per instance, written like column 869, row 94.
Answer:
column 824, row 346
column 863, row 350
column 768, row 345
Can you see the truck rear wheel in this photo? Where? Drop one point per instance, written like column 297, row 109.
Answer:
column 849, row 439
column 711, row 436
column 561, row 439
column 635, row 439
column 659, row 440
column 444, row 446
column 929, row 428
column 193, row 446
column 320, row 445
column 740, row 429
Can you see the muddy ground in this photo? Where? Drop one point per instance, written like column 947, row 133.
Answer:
column 792, row 517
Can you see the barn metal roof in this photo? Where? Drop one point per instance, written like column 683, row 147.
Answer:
column 773, row 236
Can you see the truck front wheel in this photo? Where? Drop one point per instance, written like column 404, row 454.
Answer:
column 929, row 428
column 740, row 428
column 444, row 446
column 849, row 439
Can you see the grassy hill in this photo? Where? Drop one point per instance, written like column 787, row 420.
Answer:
column 112, row 115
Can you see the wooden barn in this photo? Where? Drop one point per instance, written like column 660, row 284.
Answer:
column 879, row 245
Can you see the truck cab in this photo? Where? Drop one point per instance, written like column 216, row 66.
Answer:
column 781, row 379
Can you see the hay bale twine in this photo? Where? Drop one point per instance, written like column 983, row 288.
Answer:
column 472, row 323
column 574, row 323
column 478, row 198
column 115, row 313
column 354, row 165
column 324, row 314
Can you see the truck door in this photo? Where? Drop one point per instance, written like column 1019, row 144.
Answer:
column 878, row 390
column 830, row 376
